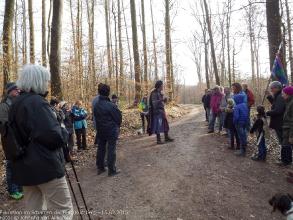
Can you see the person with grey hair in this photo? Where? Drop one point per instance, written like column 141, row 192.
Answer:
column 40, row 169
column 276, row 114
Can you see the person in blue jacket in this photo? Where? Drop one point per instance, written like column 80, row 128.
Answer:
column 80, row 125
column 241, row 120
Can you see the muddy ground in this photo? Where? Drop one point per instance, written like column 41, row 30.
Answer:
column 196, row 178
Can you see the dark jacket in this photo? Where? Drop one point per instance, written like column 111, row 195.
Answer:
column 277, row 111
column 206, row 100
column 108, row 118
column 157, row 104
column 68, row 120
column 288, row 122
column 41, row 134
column 240, row 113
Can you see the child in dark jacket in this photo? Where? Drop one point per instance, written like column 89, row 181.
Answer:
column 228, row 124
column 241, row 121
column 260, row 126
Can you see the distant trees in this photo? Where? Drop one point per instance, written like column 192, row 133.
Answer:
column 32, row 37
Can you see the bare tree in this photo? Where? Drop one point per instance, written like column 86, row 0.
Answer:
column 121, row 59
column 135, row 51
column 7, row 40
column 44, row 57
column 154, row 42
column 55, row 54
column 24, row 34
column 145, row 55
column 32, row 38
column 289, row 38
column 106, row 6
column 15, row 42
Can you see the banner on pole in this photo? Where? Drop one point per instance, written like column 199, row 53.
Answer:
column 278, row 72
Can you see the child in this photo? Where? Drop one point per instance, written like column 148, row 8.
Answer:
column 114, row 99
column 261, row 127
column 228, row 124
column 241, row 120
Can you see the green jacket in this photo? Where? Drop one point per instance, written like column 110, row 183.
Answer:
column 288, row 122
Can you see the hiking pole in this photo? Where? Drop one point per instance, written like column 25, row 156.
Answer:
column 80, row 189
column 74, row 196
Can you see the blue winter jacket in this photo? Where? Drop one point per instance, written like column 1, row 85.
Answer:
column 241, row 112
column 79, row 116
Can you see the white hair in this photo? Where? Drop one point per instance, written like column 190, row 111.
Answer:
column 34, row 78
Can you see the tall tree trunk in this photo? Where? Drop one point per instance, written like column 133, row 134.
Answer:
column 289, row 38
column 145, row 55
column 273, row 28
column 49, row 26
column 168, row 48
column 228, row 21
column 121, row 59
column 106, row 6
column 55, row 54
column 24, row 35
column 251, row 41
column 154, row 43
column 44, row 57
column 116, row 52
column 7, row 41
column 213, row 53
column 32, row 38
column 135, row 51
column 15, row 43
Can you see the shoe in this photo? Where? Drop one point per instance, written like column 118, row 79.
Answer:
column 290, row 180
column 281, row 164
column 16, row 195
column 113, row 173
column 290, row 174
column 210, row 131
column 240, row 153
column 101, row 171
column 256, row 158
column 168, row 139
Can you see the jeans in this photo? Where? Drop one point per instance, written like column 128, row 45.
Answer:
column 279, row 133
column 286, row 154
column 208, row 112
column 242, row 134
column 212, row 121
column 233, row 134
column 262, row 149
column 81, row 138
column 11, row 187
column 144, row 118
column 111, row 154
column 53, row 197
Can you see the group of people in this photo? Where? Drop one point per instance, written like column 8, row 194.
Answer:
column 233, row 108
column 43, row 134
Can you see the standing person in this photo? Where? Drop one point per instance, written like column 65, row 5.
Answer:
column 114, row 99
column 108, row 121
column 55, row 105
column 237, row 90
column 94, row 102
column 68, row 122
column 206, row 103
column 14, row 190
column 215, row 113
column 144, row 111
column 41, row 169
column 261, row 127
column 249, row 94
column 229, row 124
column 80, row 125
column 240, row 120
column 157, row 116
column 223, row 105
column 287, row 141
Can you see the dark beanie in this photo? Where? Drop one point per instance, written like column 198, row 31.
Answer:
column 10, row 86
column 158, row 84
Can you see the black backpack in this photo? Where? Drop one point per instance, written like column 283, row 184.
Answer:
column 13, row 145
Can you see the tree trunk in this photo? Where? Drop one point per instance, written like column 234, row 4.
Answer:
column 7, row 41
column 24, row 35
column 228, row 42
column 251, row 41
column 145, row 55
column 55, row 54
column 154, row 43
column 106, row 5
column 213, row 53
column 121, row 59
column 168, row 48
column 135, row 51
column 289, row 38
column 116, row 52
column 273, row 28
column 44, row 57
column 32, row 38
column 49, row 27
column 15, row 43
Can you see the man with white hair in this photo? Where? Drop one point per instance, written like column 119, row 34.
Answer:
column 40, row 169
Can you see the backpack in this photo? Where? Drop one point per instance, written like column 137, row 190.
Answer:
column 13, row 145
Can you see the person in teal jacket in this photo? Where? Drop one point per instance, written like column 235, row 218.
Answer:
column 80, row 125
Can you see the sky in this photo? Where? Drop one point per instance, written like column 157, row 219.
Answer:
column 183, row 26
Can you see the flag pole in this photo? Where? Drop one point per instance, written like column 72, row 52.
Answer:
column 270, row 79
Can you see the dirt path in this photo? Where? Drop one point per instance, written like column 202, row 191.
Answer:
column 196, row 178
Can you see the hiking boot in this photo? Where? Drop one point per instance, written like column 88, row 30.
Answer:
column 282, row 164
column 256, row 158
column 159, row 141
column 168, row 139
column 101, row 171
column 16, row 195
column 240, row 153
column 211, row 131
column 113, row 173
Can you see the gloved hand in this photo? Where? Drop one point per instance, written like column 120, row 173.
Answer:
column 291, row 140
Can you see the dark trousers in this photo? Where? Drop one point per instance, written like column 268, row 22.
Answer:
column 70, row 142
column 111, row 154
column 286, row 154
column 81, row 138
column 279, row 133
column 262, row 149
column 233, row 136
column 242, row 134
column 144, row 118
column 11, row 187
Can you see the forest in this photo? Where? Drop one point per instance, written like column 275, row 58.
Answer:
column 131, row 44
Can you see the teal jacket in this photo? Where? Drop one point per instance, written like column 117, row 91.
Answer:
column 79, row 117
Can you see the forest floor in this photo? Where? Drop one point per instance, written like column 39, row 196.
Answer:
column 196, row 177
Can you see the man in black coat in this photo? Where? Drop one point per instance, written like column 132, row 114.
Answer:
column 108, row 119
column 206, row 99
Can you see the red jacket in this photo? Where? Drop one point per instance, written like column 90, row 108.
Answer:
column 250, row 98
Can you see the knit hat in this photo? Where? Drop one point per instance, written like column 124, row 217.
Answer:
column 288, row 90
column 10, row 86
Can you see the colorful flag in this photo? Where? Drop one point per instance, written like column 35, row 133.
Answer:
column 278, row 72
